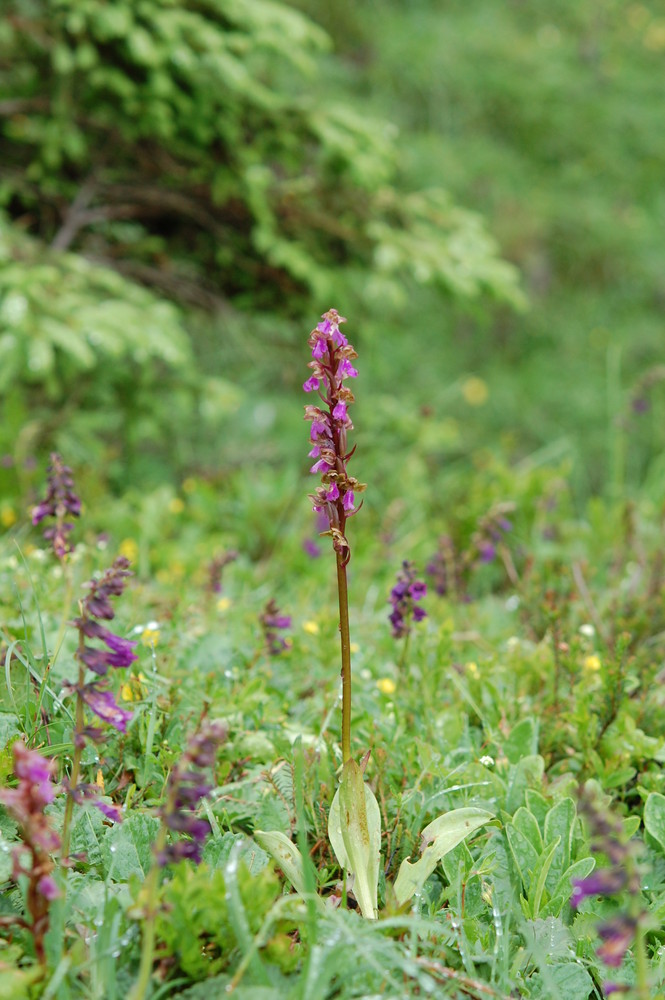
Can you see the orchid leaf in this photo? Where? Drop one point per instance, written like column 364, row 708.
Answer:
column 439, row 837
column 354, row 828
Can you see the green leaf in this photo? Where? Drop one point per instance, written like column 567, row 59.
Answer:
column 286, row 854
column 654, row 818
column 527, row 824
column 439, row 837
column 580, row 869
column 524, row 854
column 522, row 742
column 567, row 980
column 354, row 828
column 559, row 824
column 127, row 848
column 539, row 878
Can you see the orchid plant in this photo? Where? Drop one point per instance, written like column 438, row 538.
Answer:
column 354, row 821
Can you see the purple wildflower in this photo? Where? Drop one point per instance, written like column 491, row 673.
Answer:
column 617, row 936
column 618, row 933
column 119, row 651
column 103, row 704
column 311, row 548
column 216, row 568
column 185, row 788
column 60, row 501
column 404, row 598
column 446, row 568
column 331, row 365
column 26, row 803
column 490, row 532
column 272, row 622
column 604, row 882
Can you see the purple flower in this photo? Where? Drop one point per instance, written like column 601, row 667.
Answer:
column 31, row 858
column 604, row 882
column 48, row 888
column 272, row 622
column 109, row 810
column 60, row 501
column 331, row 364
column 186, row 787
column 104, row 705
column 119, row 651
column 617, row 936
column 311, row 548
column 346, row 370
column 404, row 598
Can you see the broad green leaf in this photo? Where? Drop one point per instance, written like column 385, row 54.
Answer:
column 579, row 870
column 286, row 854
column 354, row 828
column 522, row 742
column 526, row 774
column 524, row 854
column 559, row 824
column 654, row 818
column 439, row 837
column 127, row 848
column 527, row 824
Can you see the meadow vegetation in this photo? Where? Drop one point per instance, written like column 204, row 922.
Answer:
column 190, row 804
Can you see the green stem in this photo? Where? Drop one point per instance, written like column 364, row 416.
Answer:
column 76, row 763
column 345, row 641
column 641, row 963
column 405, row 650
column 140, row 987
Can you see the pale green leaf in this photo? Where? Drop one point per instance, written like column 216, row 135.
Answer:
column 439, row 837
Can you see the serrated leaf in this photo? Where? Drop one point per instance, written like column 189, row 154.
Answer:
column 439, row 837
column 127, row 848
column 354, row 828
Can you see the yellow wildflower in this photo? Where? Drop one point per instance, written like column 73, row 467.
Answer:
column 386, row 685
column 7, row 517
column 354, row 647
column 129, row 549
column 150, row 634
column 310, row 627
column 472, row 668
column 224, row 603
column 475, row 391
column 592, row 662
column 176, row 505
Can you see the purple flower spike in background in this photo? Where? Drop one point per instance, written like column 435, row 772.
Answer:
column 404, row 598
column 119, row 652
column 60, row 502
column 272, row 622
column 115, row 652
column 186, row 786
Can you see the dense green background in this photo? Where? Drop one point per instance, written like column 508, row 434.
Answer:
column 219, row 173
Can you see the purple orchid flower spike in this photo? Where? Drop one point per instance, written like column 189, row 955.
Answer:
column 59, row 503
column 331, row 365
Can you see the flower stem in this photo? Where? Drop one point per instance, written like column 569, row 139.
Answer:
column 345, row 641
column 140, row 987
column 76, row 764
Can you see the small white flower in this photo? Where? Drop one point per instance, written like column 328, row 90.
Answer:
column 587, row 630
column 513, row 603
column 487, row 760
column 513, row 642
